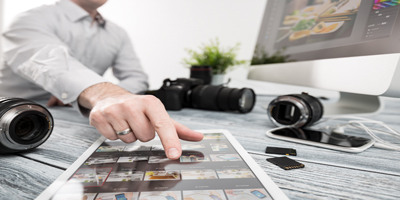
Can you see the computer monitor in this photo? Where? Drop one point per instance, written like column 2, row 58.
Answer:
column 351, row 46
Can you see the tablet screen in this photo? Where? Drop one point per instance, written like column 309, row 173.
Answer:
column 211, row 169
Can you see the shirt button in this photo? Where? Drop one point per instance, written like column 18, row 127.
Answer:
column 64, row 95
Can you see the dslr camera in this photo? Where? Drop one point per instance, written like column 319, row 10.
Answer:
column 191, row 93
column 24, row 125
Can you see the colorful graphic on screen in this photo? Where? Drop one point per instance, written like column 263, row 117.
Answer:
column 379, row 4
column 306, row 22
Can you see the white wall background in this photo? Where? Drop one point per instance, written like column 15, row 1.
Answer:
column 1, row 24
column 161, row 31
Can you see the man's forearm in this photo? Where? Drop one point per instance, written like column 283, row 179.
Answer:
column 95, row 93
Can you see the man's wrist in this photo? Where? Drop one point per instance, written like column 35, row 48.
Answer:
column 95, row 93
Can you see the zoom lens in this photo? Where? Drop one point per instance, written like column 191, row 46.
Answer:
column 24, row 125
column 223, row 98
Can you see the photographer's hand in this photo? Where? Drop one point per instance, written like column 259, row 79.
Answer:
column 115, row 109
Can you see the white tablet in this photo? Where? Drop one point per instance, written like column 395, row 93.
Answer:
column 216, row 168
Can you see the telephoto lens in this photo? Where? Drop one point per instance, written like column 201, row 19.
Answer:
column 191, row 93
column 221, row 98
column 24, row 125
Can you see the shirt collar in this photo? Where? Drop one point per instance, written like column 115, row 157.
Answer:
column 73, row 11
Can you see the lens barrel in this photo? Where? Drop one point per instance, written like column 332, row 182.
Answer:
column 297, row 110
column 223, row 98
column 24, row 125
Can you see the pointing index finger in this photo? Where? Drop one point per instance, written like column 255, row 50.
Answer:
column 163, row 125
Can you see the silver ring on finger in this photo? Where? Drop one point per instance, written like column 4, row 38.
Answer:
column 124, row 132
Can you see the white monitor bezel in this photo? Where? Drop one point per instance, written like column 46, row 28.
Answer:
column 370, row 75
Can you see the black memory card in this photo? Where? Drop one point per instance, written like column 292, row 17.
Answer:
column 285, row 163
column 281, row 151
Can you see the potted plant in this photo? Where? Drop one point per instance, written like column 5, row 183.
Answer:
column 261, row 57
column 220, row 60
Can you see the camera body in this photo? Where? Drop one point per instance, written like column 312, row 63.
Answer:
column 175, row 95
column 24, row 125
column 192, row 93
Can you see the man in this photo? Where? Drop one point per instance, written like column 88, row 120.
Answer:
column 61, row 49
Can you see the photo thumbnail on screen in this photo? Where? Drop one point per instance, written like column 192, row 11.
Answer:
column 311, row 21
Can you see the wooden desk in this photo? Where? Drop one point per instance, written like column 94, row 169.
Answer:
column 329, row 174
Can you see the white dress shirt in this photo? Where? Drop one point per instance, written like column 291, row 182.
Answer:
column 58, row 49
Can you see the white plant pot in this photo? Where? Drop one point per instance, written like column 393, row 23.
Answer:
column 218, row 79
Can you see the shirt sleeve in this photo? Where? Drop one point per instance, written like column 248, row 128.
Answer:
column 127, row 67
column 33, row 50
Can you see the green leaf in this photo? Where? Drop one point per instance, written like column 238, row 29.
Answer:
column 219, row 59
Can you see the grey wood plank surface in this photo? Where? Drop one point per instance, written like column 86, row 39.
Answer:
column 21, row 178
column 67, row 142
column 67, row 114
column 329, row 174
column 316, row 181
column 373, row 159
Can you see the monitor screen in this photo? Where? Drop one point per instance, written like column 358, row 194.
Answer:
column 321, row 29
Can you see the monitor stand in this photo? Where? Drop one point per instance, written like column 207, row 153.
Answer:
column 354, row 104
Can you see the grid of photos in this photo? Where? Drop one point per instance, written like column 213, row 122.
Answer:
column 118, row 196
column 130, row 175
column 213, row 136
column 161, row 195
column 219, row 147
column 225, row 157
column 90, row 177
column 193, row 146
column 204, row 195
column 194, row 158
column 131, row 148
column 162, row 175
column 242, row 194
column 85, row 196
column 232, row 194
column 198, row 174
column 110, row 148
column 139, row 171
column 235, row 173
column 129, row 159
column 311, row 21
column 160, row 159
column 101, row 160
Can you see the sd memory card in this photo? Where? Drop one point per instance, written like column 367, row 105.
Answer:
column 281, row 151
column 285, row 163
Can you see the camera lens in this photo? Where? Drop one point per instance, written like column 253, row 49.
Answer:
column 298, row 110
column 223, row 98
column 23, row 125
column 246, row 100
column 30, row 127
